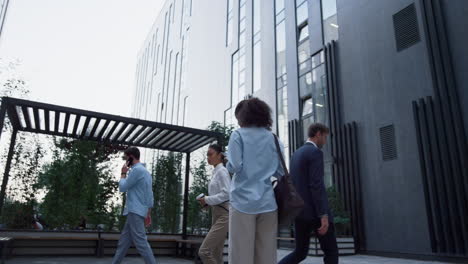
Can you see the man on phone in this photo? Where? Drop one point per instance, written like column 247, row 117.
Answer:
column 136, row 181
column 307, row 171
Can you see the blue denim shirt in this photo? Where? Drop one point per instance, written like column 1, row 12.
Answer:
column 253, row 159
column 138, row 186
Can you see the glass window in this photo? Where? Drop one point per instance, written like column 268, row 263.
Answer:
column 302, row 13
column 256, row 16
column 235, row 78
column 303, row 33
column 305, row 84
column 306, row 122
column 241, row 40
column 280, row 49
column 303, row 52
column 307, row 107
column 304, row 67
column 279, row 6
column 282, row 112
column 330, row 20
column 281, row 81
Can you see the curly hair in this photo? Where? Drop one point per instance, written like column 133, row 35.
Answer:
column 254, row 112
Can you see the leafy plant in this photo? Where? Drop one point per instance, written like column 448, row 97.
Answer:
column 341, row 216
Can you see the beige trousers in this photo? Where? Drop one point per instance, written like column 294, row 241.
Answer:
column 211, row 250
column 252, row 237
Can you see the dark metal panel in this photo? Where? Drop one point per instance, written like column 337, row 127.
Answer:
column 47, row 120
column 358, row 190
column 75, row 126
column 66, row 123
column 427, row 195
column 315, row 26
column 37, row 120
column 6, row 173
column 56, row 121
column 434, row 168
column 445, row 180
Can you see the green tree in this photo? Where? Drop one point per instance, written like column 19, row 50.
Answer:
column 199, row 220
column 21, row 196
column 79, row 183
column 166, row 172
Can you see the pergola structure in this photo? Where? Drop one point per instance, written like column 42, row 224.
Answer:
column 49, row 119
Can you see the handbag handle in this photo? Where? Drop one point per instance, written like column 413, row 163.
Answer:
column 280, row 154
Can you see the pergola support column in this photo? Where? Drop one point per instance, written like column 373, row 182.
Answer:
column 186, row 196
column 6, row 173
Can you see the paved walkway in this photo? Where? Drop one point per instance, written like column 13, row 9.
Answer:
column 361, row 259
column 358, row 259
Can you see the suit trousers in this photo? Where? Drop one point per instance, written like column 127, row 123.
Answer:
column 303, row 231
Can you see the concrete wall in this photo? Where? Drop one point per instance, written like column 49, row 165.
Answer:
column 377, row 85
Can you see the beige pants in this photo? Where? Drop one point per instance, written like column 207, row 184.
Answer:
column 211, row 250
column 252, row 237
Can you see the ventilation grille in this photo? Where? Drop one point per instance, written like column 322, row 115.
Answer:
column 387, row 142
column 405, row 23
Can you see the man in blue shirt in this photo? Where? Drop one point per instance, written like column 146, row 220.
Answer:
column 138, row 186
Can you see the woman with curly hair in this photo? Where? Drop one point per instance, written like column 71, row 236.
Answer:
column 253, row 159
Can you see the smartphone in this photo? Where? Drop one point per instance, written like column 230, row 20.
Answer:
column 129, row 162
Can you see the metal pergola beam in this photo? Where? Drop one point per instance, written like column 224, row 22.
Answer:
column 127, row 131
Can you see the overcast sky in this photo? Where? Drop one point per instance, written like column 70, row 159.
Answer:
column 79, row 53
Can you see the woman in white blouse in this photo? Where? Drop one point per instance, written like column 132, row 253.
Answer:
column 211, row 251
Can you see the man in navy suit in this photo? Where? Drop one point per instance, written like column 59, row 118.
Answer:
column 307, row 172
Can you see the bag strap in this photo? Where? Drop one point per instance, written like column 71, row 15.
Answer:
column 280, row 154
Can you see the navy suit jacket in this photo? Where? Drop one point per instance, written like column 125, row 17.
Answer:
column 307, row 172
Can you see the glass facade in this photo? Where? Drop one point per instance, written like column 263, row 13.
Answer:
column 230, row 22
column 281, row 80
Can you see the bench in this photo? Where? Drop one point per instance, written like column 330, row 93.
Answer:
column 5, row 243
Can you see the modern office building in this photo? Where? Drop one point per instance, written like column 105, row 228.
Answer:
column 3, row 12
column 388, row 77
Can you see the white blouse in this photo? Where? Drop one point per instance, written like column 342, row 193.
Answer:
column 220, row 184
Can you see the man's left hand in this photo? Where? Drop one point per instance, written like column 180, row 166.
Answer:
column 148, row 220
